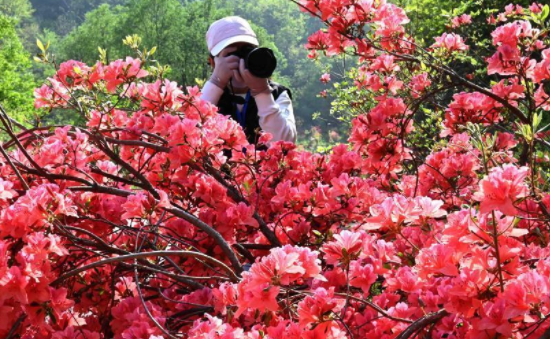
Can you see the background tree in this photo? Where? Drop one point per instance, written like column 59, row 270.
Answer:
column 17, row 9
column 99, row 29
column 16, row 79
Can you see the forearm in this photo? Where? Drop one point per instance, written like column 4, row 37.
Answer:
column 211, row 93
column 276, row 117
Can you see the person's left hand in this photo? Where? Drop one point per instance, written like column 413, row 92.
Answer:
column 256, row 85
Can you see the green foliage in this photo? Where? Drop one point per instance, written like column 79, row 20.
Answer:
column 429, row 17
column 426, row 133
column 100, row 29
column 17, row 9
column 347, row 100
column 176, row 30
column 16, row 80
column 62, row 16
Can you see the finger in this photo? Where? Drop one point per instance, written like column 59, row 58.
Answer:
column 233, row 66
column 227, row 50
column 237, row 76
column 232, row 58
column 242, row 69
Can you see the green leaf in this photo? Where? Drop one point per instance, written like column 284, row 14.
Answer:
column 40, row 45
column 544, row 13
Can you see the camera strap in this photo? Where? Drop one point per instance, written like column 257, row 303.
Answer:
column 241, row 115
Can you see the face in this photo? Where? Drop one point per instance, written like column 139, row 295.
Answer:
column 232, row 48
column 236, row 46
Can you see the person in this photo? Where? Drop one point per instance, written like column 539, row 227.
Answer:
column 256, row 103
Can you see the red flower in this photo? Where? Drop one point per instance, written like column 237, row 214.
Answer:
column 501, row 188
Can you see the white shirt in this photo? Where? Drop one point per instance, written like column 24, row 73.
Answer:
column 276, row 116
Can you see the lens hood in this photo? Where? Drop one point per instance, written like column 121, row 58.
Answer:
column 261, row 62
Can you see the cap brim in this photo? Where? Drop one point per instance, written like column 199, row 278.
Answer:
column 234, row 39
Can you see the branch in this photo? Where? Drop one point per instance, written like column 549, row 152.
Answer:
column 516, row 111
column 16, row 326
column 114, row 177
column 212, row 233
column 17, row 173
column 14, row 138
column 227, row 269
column 144, row 304
column 102, row 245
column 145, row 144
column 236, row 196
column 145, row 184
column 546, row 334
column 375, row 307
column 419, row 324
column 177, row 211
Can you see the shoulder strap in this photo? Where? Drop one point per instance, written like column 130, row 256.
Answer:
column 278, row 89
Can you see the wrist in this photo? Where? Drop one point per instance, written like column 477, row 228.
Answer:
column 219, row 82
column 259, row 90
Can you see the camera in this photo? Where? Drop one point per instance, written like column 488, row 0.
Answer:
column 260, row 61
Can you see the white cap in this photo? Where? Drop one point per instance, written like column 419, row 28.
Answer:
column 227, row 31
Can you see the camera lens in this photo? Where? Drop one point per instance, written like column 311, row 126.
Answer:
column 261, row 62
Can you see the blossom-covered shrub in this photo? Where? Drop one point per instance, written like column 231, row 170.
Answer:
column 158, row 220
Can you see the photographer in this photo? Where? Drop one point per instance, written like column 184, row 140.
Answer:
column 242, row 92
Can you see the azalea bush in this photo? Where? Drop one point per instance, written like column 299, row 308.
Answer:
column 158, row 220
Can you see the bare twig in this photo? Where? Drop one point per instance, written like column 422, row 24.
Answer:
column 421, row 323
column 190, row 254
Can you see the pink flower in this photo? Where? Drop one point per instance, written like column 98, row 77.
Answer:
column 385, row 63
column 419, row 83
column 505, row 61
column 347, row 245
column 317, row 41
column 429, row 209
column 506, row 141
column 535, row 7
column 541, row 71
column 542, row 99
column 362, row 275
column 256, row 295
column 461, row 20
column 75, row 333
column 51, row 96
column 493, row 318
column 438, row 259
column 509, row 90
column 516, row 302
column 450, row 42
column 471, row 107
column 12, row 285
column 160, row 96
column 317, row 308
column 120, row 71
column 501, row 188
column 134, row 206
column 6, row 191
column 282, row 267
column 72, row 73
column 325, row 78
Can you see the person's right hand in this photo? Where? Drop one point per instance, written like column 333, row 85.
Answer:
column 225, row 65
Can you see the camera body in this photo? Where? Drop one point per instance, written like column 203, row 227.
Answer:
column 260, row 61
